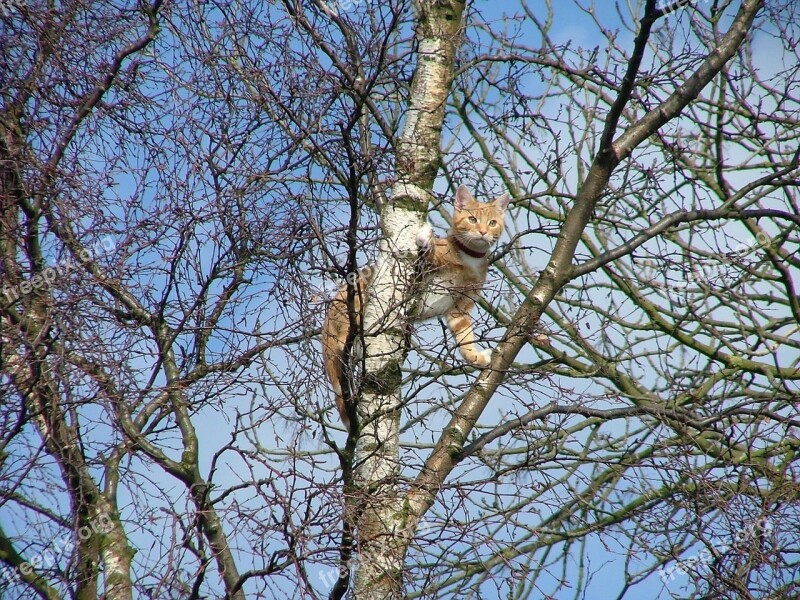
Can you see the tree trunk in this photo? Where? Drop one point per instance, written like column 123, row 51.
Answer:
column 382, row 527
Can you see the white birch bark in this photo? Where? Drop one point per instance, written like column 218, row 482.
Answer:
column 382, row 527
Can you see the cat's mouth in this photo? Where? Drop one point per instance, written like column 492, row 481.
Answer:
column 477, row 242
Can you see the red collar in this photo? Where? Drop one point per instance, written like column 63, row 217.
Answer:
column 468, row 251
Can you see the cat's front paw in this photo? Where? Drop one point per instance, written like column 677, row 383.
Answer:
column 425, row 237
column 483, row 358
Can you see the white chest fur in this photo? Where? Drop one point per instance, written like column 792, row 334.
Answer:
column 476, row 265
column 442, row 289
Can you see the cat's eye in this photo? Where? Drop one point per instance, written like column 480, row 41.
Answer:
column 492, row 223
column 473, row 220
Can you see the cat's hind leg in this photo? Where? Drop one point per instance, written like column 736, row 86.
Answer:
column 460, row 323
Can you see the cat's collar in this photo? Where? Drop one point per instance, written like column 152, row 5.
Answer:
column 467, row 250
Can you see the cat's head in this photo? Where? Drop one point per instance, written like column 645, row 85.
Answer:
column 478, row 224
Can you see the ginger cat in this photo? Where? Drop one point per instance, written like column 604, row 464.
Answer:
column 454, row 272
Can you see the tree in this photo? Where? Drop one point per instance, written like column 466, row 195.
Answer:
column 185, row 184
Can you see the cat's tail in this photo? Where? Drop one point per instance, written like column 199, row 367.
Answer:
column 333, row 341
column 335, row 332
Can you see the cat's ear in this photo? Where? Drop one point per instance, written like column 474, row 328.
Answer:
column 463, row 197
column 502, row 201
